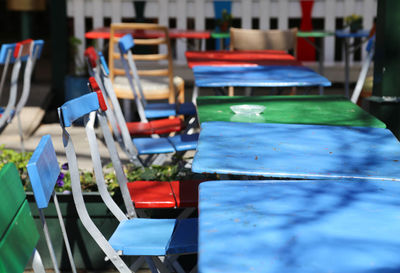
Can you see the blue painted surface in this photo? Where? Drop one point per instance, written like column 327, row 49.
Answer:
column 184, row 142
column 103, row 63
column 257, row 76
column 158, row 110
column 301, row 226
column 187, row 108
column 5, row 48
column 126, row 43
column 38, row 45
column 140, row 236
column 293, row 150
column 76, row 108
column 153, row 145
column 185, row 239
column 348, row 34
column 43, row 170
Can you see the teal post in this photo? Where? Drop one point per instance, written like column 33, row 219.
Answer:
column 385, row 102
column 26, row 21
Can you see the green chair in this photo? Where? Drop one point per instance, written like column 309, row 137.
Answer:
column 18, row 232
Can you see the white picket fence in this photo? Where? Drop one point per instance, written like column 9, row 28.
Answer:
column 200, row 10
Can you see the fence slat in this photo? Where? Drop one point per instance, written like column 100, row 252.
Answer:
column 116, row 11
column 265, row 14
column 98, row 19
column 283, row 14
column 246, row 14
column 181, row 24
column 79, row 31
column 329, row 42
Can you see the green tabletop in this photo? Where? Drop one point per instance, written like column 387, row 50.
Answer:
column 327, row 110
column 315, row 34
column 220, row 35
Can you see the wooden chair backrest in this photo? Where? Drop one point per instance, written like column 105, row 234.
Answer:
column 144, row 34
column 18, row 233
column 256, row 39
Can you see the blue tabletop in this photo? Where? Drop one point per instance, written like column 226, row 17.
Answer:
column 348, row 34
column 303, row 226
column 293, row 150
column 257, row 76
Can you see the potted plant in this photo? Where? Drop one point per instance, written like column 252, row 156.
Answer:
column 76, row 82
column 354, row 22
column 225, row 22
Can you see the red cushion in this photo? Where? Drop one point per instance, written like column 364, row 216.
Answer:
column 139, row 128
column 161, row 126
column 151, row 194
column 186, row 192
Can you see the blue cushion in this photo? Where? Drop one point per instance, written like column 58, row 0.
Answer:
column 153, row 145
column 143, row 236
column 186, row 108
column 159, row 110
column 184, row 142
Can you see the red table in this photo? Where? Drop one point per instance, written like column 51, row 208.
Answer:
column 104, row 33
column 239, row 58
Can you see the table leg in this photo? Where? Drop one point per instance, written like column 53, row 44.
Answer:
column 195, row 94
column 321, row 56
column 346, row 67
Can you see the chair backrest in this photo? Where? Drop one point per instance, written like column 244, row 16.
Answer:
column 256, row 39
column 147, row 36
column 43, row 171
column 18, row 233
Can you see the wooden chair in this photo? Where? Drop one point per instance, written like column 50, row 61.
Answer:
column 18, row 233
column 147, row 238
column 256, row 39
column 99, row 70
column 158, row 82
column 43, row 171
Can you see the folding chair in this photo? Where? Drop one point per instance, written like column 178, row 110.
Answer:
column 26, row 51
column 43, row 171
column 364, row 69
column 151, row 110
column 18, row 233
column 147, row 238
column 153, row 147
column 144, row 127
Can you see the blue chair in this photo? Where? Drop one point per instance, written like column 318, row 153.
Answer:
column 27, row 51
column 147, row 110
column 43, row 171
column 152, row 147
column 146, row 238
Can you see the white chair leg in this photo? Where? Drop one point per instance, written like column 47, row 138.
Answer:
column 37, row 263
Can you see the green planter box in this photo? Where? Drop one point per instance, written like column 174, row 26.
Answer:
column 87, row 255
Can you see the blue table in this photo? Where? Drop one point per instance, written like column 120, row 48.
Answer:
column 257, row 76
column 346, row 35
column 293, row 150
column 303, row 226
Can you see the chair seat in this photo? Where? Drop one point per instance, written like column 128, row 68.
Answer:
column 160, row 110
column 157, row 88
column 186, row 108
column 152, row 194
column 155, row 237
column 162, row 126
column 153, row 145
column 184, row 142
